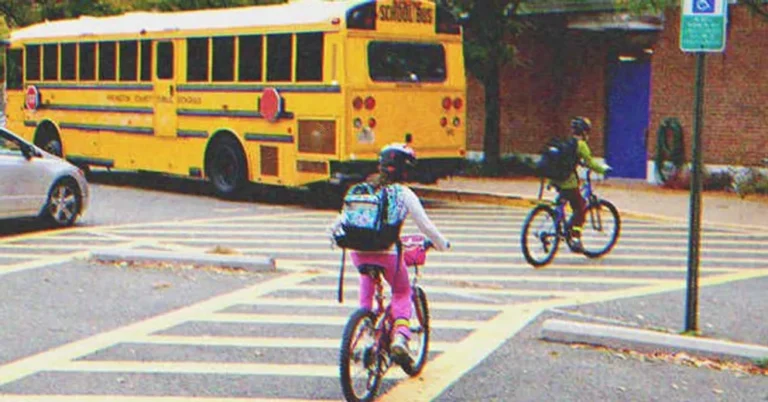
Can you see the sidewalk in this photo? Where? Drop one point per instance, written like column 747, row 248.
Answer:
column 632, row 197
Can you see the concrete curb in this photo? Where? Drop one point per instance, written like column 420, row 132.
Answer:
column 250, row 263
column 641, row 340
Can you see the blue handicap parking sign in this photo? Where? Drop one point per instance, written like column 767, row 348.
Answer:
column 704, row 6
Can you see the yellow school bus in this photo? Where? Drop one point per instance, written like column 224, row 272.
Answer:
column 298, row 94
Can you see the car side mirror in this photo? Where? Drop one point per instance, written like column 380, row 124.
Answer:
column 28, row 151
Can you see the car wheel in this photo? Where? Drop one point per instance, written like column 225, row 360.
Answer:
column 63, row 205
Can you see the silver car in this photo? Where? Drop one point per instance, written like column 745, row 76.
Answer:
column 36, row 183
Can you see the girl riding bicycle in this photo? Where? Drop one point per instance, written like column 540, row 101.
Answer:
column 395, row 162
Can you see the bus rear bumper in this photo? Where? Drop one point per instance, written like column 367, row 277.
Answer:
column 427, row 171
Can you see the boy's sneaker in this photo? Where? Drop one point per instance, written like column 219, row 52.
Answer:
column 399, row 349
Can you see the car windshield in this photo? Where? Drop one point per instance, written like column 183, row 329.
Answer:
column 406, row 62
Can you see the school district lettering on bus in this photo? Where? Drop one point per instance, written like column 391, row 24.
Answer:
column 300, row 94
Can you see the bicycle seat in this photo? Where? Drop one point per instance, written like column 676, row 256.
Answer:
column 371, row 269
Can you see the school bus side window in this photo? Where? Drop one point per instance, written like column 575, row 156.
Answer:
column 107, row 67
column 197, row 59
column 51, row 62
column 164, row 60
column 14, row 69
column 279, row 57
column 87, row 61
column 33, row 62
column 309, row 54
column 224, row 58
column 129, row 55
column 146, row 60
column 250, row 52
column 68, row 62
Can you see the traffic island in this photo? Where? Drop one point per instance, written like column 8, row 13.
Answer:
column 248, row 263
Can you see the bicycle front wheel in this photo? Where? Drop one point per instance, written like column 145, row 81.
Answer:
column 601, row 228
column 419, row 342
column 539, row 238
column 359, row 360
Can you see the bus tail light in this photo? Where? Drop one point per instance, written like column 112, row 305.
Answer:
column 358, row 123
column 372, row 122
column 456, row 122
column 357, row 103
column 458, row 103
column 443, row 121
column 370, row 103
column 447, row 103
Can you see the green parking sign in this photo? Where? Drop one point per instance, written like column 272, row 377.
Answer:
column 702, row 25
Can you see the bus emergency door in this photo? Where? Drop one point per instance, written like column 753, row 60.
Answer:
column 165, row 118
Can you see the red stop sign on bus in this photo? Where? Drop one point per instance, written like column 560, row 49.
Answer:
column 32, row 100
column 271, row 104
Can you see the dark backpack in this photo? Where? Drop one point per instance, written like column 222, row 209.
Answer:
column 558, row 159
column 369, row 221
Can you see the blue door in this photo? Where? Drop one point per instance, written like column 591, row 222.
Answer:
column 628, row 109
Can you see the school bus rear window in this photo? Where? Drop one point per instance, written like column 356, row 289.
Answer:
column 406, row 62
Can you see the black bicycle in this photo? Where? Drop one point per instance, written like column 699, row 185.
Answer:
column 546, row 226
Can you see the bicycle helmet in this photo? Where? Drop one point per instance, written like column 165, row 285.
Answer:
column 581, row 125
column 396, row 161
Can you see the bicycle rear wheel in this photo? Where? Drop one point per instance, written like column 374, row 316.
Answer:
column 360, row 360
column 419, row 342
column 539, row 239
column 601, row 228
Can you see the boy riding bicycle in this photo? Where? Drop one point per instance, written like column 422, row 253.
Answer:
column 569, row 188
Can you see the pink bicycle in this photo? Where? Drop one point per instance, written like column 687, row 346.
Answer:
column 365, row 353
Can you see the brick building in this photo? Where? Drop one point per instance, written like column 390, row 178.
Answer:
column 628, row 74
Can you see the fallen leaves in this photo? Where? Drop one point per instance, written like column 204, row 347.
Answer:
column 682, row 359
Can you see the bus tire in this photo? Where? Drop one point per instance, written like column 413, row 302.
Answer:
column 50, row 142
column 226, row 168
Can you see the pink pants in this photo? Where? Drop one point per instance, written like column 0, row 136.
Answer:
column 398, row 281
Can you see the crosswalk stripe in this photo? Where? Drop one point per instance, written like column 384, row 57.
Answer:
column 307, row 302
column 239, row 341
column 132, row 398
column 469, row 291
column 244, row 318
column 233, row 369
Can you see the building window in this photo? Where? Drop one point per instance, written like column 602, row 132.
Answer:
column 164, row 60
column 279, row 57
column 146, row 60
column 68, row 62
column 250, row 52
column 197, row 59
column 107, row 57
column 87, row 57
column 33, row 62
column 224, row 58
column 309, row 57
column 129, row 60
column 51, row 62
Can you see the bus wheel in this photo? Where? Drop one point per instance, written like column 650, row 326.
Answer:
column 226, row 168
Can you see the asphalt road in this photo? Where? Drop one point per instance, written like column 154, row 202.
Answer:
column 74, row 327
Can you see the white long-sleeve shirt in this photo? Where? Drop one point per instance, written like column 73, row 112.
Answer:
column 418, row 216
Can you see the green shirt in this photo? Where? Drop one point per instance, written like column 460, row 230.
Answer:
column 585, row 155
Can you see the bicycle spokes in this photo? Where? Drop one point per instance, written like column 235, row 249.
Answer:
column 601, row 231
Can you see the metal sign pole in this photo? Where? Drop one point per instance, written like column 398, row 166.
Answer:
column 692, row 297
